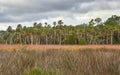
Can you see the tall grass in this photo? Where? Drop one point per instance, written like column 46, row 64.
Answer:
column 68, row 62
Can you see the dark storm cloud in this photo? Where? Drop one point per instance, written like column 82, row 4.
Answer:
column 30, row 10
column 38, row 6
column 97, row 5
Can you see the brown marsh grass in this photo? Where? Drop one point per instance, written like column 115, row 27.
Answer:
column 69, row 60
column 63, row 47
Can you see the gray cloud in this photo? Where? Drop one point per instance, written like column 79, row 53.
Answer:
column 32, row 10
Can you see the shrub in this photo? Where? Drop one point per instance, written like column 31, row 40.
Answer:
column 69, row 39
column 82, row 41
column 38, row 71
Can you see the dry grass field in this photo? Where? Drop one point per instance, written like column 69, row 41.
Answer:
column 67, row 59
column 63, row 47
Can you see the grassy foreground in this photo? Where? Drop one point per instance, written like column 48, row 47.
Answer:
column 98, row 61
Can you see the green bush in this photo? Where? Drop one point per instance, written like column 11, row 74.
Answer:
column 82, row 41
column 38, row 71
column 70, row 39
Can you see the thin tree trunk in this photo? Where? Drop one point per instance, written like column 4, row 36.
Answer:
column 46, row 39
column 60, row 38
column 19, row 36
column 25, row 40
column 38, row 40
column 10, row 40
column 31, row 39
column 111, row 38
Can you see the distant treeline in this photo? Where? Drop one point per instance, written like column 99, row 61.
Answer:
column 95, row 32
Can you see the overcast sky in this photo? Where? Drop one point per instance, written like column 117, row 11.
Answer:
column 26, row 12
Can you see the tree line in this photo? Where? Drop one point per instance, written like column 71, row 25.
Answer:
column 94, row 32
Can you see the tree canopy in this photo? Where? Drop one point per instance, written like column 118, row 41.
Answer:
column 95, row 32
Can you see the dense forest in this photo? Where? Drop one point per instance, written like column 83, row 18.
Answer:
column 95, row 32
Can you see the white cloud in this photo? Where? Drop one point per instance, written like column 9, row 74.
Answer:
column 26, row 12
column 12, row 1
column 74, row 20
